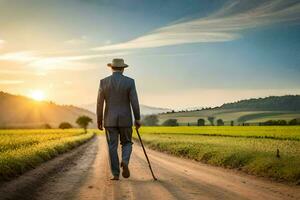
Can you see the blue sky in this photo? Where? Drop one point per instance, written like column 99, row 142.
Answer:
column 181, row 53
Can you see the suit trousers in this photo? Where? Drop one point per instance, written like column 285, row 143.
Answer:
column 125, row 134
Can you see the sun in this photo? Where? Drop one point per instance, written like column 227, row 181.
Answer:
column 37, row 95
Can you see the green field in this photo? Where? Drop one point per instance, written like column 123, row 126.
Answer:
column 21, row 150
column 228, row 115
column 250, row 149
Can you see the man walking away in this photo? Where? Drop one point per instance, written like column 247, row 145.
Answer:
column 119, row 94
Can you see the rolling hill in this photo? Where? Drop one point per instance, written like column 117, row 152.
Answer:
column 23, row 112
column 145, row 110
column 250, row 111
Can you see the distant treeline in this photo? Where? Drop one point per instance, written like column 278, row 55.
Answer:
column 152, row 120
column 280, row 122
column 288, row 103
column 272, row 103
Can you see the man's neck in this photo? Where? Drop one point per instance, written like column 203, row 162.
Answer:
column 117, row 72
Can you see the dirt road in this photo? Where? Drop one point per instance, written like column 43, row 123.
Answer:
column 85, row 174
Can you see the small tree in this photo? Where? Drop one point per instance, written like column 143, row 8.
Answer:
column 170, row 122
column 211, row 120
column 65, row 125
column 232, row 123
column 150, row 120
column 83, row 122
column 220, row 122
column 46, row 126
column 201, row 122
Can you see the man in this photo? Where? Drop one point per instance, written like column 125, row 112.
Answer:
column 119, row 94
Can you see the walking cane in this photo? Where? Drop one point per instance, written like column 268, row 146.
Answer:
column 137, row 131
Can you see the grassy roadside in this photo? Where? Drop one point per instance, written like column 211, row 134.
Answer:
column 272, row 132
column 254, row 155
column 24, row 150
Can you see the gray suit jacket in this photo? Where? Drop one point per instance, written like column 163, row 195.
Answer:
column 118, row 92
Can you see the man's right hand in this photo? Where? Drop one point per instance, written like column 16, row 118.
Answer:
column 137, row 124
column 100, row 127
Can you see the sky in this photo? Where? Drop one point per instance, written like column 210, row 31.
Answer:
column 182, row 54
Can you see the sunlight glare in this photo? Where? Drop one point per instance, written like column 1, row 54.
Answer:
column 37, row 95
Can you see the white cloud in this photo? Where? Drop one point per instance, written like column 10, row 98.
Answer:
column 70, row 62
column 10, row 82
column 107, row 42
column 1, row 43
column 67, row 62
column 91, row 56
column 36, row 72
column 68, row 82
column 77, row 41
column 21, row 56
column 224, row 25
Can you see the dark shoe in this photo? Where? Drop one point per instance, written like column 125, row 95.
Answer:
column 126, row 172
column 115, row 178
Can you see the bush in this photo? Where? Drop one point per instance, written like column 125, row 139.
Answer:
column 211, row 120
column 294, row 122
column 201, row 122
column 274, row 123
column 65, row 125
column 220, row 122
column 282, row 122
column 170, row 122
column 46, row 126
column 150, row 120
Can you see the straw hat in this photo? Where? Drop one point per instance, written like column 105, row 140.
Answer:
column 118, row 63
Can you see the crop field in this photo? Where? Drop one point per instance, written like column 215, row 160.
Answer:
column 251, row 149
column 21, row 150
column 228, row 115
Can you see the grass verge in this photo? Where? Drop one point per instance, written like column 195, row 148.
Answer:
column 254, row 155
column 22, row 151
